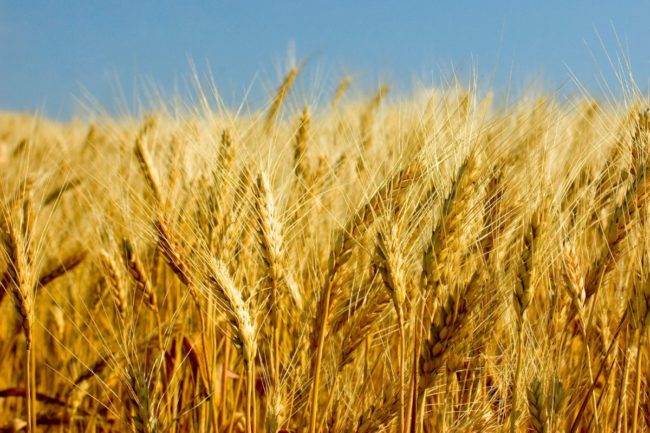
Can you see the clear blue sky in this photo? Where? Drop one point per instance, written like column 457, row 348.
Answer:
column 50, row 51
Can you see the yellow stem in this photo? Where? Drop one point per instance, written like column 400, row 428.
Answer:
column 250, row 373
column 28, row 390
column 513, row 410
column 319, row 358
column 637, row 387
column 400, row 349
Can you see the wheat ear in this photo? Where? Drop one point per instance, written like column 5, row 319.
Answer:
column 143, row 284
column 522, row 297
column 272, row 248
column 114, row 279
column 243, row 327
column 66, row 265
column 279, row 98
column 170, row 249
column 390, row 263
column 341, row 88
column 368, row 117
column 618, row 224
column 29, row 287
column 216, row 192
column 146, row 166
column 139, row 275
column 300, row 163
column 537, row 407
column 16, row 242
column 445, row 237
column 446, row 326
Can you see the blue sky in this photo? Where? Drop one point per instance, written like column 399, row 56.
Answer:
column 53, row 52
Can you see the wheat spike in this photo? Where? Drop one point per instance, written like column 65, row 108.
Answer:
column 118, row 292
column 536, row 407
column 279, row 98
column 139, row 275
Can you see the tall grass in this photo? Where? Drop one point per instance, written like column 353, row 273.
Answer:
column 429, row 264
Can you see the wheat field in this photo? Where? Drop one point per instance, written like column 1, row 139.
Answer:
column 440, row 262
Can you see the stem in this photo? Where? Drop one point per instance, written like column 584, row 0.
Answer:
column 587, row 356
column 276, row 355
column 319, row 357
column 622, row 392
column 414, row 395
column 33, row 393
column 250, row 379
column 445, row 400
column 366, row 365
column 421, row 403
column 28, row 389
column 513, row 410
column 330, row 400
column 291, row 402
column 637, row 387
column 275, row 336
column 163, row 370
column 253, row 405
column 400, row 349
column 224, row 378
column 235, row 403
column 161, row 344
column 208, row 369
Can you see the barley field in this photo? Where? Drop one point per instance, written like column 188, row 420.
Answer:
column 442, row 262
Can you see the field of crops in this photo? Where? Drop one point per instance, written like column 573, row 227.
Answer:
column 440, row 262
